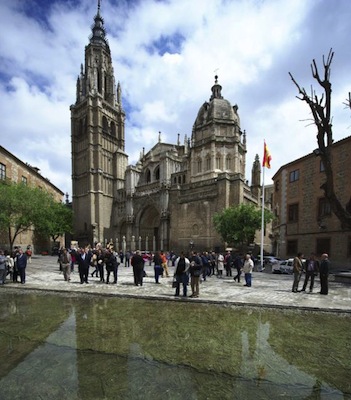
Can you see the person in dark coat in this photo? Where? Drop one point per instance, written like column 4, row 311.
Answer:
column 238, row 265
column 312, row 267
column 111, row 265
column 324, row 273
column 21, row 264
column 84, row 260
column 182, row 265
column 138, row 268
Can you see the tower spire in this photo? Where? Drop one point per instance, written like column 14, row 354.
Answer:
column 98, row 35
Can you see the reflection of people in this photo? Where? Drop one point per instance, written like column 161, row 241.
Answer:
column 297, row 270
column 312, row 267
column 324, row 273
column 248, row 268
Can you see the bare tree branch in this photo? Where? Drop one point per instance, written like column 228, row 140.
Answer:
column 321, row 111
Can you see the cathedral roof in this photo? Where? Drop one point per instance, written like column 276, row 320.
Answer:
column 217, row 108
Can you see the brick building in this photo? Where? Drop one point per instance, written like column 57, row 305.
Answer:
column 15, row 170
column 304, row 221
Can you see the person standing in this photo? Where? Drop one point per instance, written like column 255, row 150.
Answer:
column 10, row 263
column 29, row 253
column 138, row 268
column 21, row 264
column 205, row 265
column 212, row 263
column 111, row 265
column 220, row 265
column 182, row 265
column 228, row 263
column 158, row 266
column 164, row 263
column 121, row 256
column 3, row 267
column 15, row 272
column 127, row 259
column 238, row 265
column 312, row 267
column 84, row 261
column 324, row 273
column 297, row 270
column 101, row 262
column 248, row 268
column 195, row 272
column 65, row 259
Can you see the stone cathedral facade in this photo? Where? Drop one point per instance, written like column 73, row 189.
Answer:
column 168, row 199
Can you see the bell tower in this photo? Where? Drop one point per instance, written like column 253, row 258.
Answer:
column 99, row 160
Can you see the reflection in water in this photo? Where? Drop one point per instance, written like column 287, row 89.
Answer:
column 52, row 364
column 83, row 347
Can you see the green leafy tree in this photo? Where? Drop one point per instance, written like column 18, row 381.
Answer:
column 237, row 225
column 56, row 220
column 23, row 208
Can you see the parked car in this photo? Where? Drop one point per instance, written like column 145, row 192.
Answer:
column 285, row 266
column 270, row 260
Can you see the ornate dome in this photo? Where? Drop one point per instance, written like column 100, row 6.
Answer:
column 217, row 108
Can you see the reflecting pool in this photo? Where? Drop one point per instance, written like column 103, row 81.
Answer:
column 56, row 346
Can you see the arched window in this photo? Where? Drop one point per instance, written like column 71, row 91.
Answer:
column 199, row 165
column 157, row 173
column 218, row 161
column 208, row 162
column 113, row 129
column 104, row 125
column 228, row 163
column 148, row 176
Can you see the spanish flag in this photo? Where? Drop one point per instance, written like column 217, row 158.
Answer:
column 266, row 157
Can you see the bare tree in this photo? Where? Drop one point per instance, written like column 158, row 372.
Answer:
column 320, row 108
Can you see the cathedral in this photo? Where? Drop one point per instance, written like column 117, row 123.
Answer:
column 167, row 200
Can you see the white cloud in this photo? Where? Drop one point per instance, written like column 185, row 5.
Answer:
column 250, row 44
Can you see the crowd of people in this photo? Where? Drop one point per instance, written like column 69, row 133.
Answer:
column 189, row 269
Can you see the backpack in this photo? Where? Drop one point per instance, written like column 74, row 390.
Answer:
column 180, row 266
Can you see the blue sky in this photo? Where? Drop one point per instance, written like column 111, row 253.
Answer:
column 165, row 55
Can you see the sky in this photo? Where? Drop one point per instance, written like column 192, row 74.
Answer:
column 165, row 56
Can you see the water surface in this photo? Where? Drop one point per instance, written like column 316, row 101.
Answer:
column 55, row 346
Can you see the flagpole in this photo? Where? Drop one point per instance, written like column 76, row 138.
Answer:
column 262, row 220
